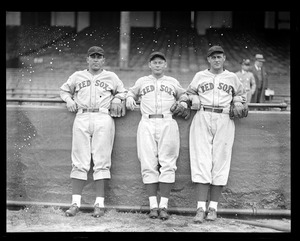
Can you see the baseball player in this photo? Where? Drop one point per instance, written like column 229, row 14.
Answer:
column 247, row 79
column 95, row 95
column 212, row 131
column 157, row 135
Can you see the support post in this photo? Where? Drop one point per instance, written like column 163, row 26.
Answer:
column 124, row 40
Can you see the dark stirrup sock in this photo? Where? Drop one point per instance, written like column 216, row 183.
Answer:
column 77, row 186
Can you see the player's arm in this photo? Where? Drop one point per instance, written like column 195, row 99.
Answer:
column 239, row 94
column 181, row 95
column 238, row 107
column 66, row 94
column 181, row 106
column 192, row 93
column 133, row 95
column 119, row 90
column 117, row 105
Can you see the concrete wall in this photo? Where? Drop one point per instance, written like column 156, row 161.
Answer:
column 39, row 161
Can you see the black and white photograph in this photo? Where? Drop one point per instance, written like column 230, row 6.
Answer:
column 148, row 121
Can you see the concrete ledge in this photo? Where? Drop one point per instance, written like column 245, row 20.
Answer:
column 144, row 209
column 39, row 161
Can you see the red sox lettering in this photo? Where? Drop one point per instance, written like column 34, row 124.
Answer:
column 87, row 83
column 163, row 88
column 203, row 87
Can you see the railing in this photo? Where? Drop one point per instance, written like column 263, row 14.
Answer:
column 252, row 106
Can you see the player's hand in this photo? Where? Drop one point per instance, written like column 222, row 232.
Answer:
column 71, row 105
column 130, row 103
column 196, row 104
column 116, row 108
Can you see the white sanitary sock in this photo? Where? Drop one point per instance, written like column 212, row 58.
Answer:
column 76, row 199
column 100, row 201
column 163, row 202
column 213, row 204
column 153, row 202
column 201, row 204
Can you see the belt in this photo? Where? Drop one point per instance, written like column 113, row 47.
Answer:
column 211, row 109
column 156, row 116
column 84, row 110
column 90, row 110
column 160, row 116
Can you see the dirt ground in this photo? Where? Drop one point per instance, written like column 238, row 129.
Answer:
column 53, row 219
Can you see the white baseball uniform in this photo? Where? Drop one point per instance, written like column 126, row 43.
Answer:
column 212, row 133
column 93, row 127
column 158, row 134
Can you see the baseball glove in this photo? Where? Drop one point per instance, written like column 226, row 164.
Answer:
column 238, row 110
column 117, row 108
column 178, row 109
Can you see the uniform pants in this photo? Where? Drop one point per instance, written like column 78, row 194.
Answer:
column 158, row 149
column 93, row 137
column 211, row 140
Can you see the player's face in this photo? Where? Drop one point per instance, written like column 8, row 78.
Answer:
column 157, row 66
column 216, row 61
column 95, row 61
column 245, row 67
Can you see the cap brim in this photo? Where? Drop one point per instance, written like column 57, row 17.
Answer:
column 221, row 52
column 96, row 53
column 157, row 55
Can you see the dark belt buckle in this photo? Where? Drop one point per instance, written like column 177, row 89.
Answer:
column 217, row 110
column 156, row 116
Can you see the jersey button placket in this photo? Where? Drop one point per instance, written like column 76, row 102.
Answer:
column 216, row 92
column 93, row 94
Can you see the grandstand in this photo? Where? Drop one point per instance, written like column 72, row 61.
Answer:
column 40, row 58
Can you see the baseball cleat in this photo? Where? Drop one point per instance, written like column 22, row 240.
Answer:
column 153, row 213
column 163, row 214
column 212, row 214
column 98, row 212
column 72, row 210
column 199, row 218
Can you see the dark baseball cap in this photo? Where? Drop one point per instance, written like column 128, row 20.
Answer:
column 246, row 62
column 157, row 54
column 95, row 50
column 214, row 49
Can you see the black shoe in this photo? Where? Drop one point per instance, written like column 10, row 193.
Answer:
column 153, row 213
column 163, row 214
column 199, row 218
column 212, row 214
column 72, row 210
column 98, row 212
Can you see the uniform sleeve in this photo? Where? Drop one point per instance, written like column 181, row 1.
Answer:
column 192, row 89
column 180, row 92
column 67, row 90
column 134, row 91
column 119, row 89
column 239, row 91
